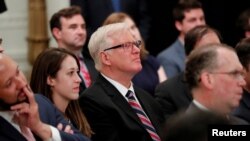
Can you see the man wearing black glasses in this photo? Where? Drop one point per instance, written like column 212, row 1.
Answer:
column 214, row 74
column 115, row 108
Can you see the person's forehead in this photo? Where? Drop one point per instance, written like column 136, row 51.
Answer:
column 228, row 58
column 123, row 36
column 7, row 65
column 6, row 61
column 74, row 19
column 197, row 12
column 68, row 62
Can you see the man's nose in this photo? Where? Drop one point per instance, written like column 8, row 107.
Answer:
column 20, row 82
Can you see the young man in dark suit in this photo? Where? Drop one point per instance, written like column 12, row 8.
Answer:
column 187, row 14
column 69, row 30
column 174, row 94
column 107, row 102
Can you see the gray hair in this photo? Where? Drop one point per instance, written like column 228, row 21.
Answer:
column 200, row 59
column 103, row 38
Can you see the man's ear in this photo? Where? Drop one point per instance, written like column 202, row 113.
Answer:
column 50, row 81
column 105, row 58
column 247, row 34
column 56, row 33
column 207, row 80
column 178, row 25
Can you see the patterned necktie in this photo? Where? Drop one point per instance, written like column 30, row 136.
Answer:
column 84, row 72
column 142, row 116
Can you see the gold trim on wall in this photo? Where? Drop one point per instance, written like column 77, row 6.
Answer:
column 38, row 39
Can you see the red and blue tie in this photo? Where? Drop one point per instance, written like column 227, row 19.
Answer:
column 142, row 116
column 84, row 72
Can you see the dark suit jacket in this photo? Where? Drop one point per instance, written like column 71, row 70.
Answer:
column 173, row 95
column 9, row 132
column 112, row 118
column 243, row 111
column 193, row 109
column 89, row 62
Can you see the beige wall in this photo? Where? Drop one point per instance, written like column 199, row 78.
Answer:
column 14, row 29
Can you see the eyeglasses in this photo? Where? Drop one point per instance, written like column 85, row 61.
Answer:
column 127, row 46
column 235, row 74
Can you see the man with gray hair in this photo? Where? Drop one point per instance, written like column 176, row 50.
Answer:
column 214, row 74
column 115, row 108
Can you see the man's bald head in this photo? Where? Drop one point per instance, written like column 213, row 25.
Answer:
column 12, row 82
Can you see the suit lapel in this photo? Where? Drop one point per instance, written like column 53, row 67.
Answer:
column 186, row 88
column 7, row 130
column 91, row 68
column 118, row 99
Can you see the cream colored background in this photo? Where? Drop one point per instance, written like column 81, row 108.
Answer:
column 14, row 29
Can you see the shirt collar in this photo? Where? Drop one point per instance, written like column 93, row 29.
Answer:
column 200, row 106
column 7, row 115
column 122, row 89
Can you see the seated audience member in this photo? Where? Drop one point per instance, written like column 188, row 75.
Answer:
column 152, row 73
column 244, row 22
column 187, row 14
column 69, row 30
column 22, row 112
column 55, row 75
column 192, row 127
column 243, row 52
column 214, row 74
column 117, row 109
column 174, row 94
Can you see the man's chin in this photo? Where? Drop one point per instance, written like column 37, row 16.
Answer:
column 6, row 106
column 22, row 101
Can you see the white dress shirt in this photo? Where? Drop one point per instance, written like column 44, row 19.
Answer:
column 8, row 115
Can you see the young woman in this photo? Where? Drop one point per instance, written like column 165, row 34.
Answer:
column 55, row 74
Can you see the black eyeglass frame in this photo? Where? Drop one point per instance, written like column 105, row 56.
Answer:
column 136, row 43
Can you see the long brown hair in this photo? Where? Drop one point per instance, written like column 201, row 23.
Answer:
column 48, row 63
